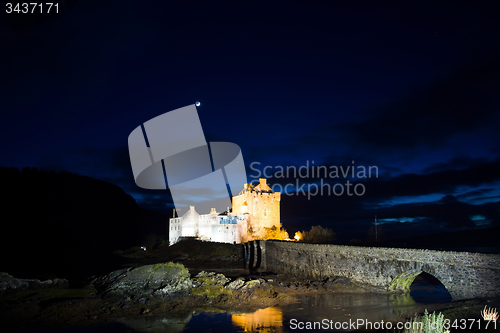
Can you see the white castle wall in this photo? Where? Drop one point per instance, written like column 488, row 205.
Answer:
column 174, row 230
column 212, row 227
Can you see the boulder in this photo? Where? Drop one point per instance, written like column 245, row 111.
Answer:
column 159, row 281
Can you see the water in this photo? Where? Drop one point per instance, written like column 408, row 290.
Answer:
column 328, row 310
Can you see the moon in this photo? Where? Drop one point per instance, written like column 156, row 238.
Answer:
column 197, row 103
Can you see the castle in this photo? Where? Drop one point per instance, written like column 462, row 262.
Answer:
column 255, row 211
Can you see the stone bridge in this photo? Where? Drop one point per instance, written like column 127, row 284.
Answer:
column 464, row 274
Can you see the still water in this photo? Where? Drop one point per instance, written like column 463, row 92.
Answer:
column 309, row 308
column 334, row 308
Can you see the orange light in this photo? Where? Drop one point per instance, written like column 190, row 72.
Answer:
column 263, row 320
column 297, row 237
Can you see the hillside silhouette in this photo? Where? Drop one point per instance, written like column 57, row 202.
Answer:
column 66, row 225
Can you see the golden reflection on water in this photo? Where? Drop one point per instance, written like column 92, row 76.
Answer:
column 263, row 320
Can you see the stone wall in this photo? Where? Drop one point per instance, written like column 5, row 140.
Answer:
column 465, row 275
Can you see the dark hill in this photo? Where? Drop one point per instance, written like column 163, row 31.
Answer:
column 60, row 223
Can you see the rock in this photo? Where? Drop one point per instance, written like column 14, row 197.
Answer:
column 251, row 284
column 203, row 274
column 8, row 283
column 236, row 284
column 161, row 281
column 210, row 278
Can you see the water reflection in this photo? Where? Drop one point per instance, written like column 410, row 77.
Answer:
column 264, row 320
column 341, row 308
column 168, row 325
column 401, row 300
column 334, row 308
column 309, row 308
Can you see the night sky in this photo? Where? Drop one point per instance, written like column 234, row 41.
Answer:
column 411, row 88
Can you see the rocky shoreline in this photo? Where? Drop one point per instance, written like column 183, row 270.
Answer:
column 149, row 291
column 166, row 293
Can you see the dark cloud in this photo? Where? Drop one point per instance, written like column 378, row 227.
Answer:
column 384, row 186
column 396, row 198
column 476, row 193
column 457, row 104
column 453, row 115
column 455, row 164
column 444, row 182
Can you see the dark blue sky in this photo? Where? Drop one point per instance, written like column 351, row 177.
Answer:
column 413, row 89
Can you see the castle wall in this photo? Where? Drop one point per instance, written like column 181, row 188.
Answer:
column 206, row 223
column 211, row 227
column 175, row 230
column 225, row 233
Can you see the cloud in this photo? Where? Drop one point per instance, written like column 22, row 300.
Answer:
column 476, row 193
column 444, row 182
column 453, row 118
column 456, row 163
column 457, row 104
column 397, row 197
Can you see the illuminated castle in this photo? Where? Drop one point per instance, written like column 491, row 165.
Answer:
column 255, row 211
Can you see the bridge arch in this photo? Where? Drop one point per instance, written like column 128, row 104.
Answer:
column 404, row 280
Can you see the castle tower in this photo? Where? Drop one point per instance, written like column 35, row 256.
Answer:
column 260, row 204
column 190, row 223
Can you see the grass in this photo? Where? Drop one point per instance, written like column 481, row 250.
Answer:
column 428, row 323
column 211, row 291
column 207, row 280
column 169, row 265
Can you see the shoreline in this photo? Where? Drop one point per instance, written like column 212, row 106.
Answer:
column 209, row 292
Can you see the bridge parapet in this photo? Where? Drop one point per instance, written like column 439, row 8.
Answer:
column 464, row 274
